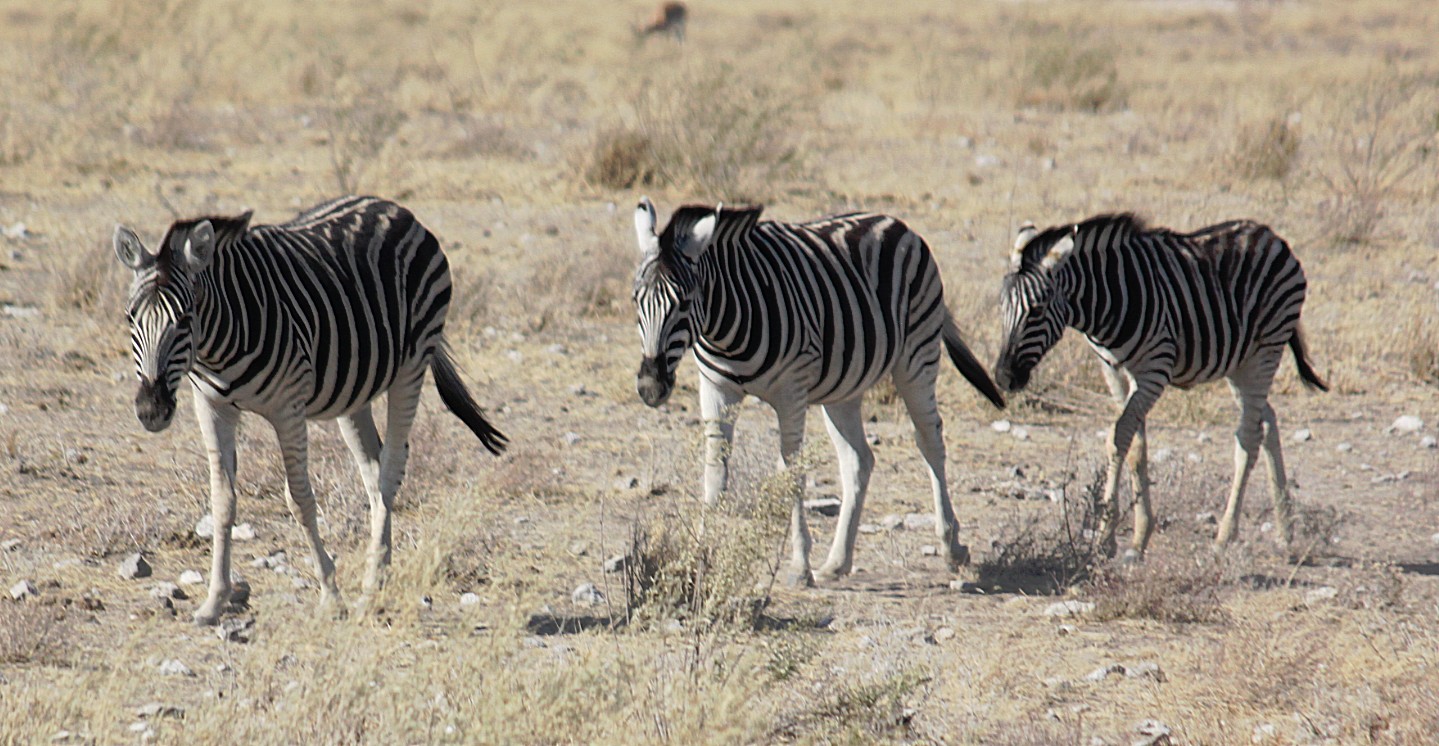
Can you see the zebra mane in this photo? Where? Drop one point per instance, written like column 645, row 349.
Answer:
column 1124, row 222
column 228, row 229
column 732, row 221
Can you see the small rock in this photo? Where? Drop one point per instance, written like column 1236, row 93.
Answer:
column 1434, row 539
column 1266, row 527
column 557, row 349
column 156, row 710
column 1066, row 630
column 1206, row 518
column 579, row 548
column 1019, row 433
column 1322, row 593
column 23, row 590
column 1428, row 441
column 617, row 563
column 1156, row 733
column 1344, row 447
column 586, row 594
column 168, row 590
column 627, row 483
column 468, row 599
column 134, row 567
column 571, row 438
column 1302, row 435
column 1068, row 608
column 944, row 634
column 918, row 521
column 1103, row 672
column 1001, row 426
column 205, row 527
column 869, row 528
column 235, row 630
column 891, row 521
column 174, row 667
column 1203, row 437
column 828, row 506
column 1263, row 732
column 1161, row 455
column 9, row 545
column 242, row 532
column 191, row 577
column 1146, row 670
column 145, row 731
column 929, row 550
column 1405, row 425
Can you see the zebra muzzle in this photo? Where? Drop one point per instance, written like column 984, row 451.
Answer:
column 154, row 406
column 654, row 383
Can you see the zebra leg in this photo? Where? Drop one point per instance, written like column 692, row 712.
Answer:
column 1247, row 437
column 1138, row 458
column 918, row 395
column 217, row 427
column 1144, row 390
column 856, row 463
column 358, row 429
column 290, row 430
column 1279, row 488
column 401, row 403
column 719, row 405
column 791, row 413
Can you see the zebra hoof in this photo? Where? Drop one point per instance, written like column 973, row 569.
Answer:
column 958, row 557
column 830, row 573
column 206, row 618
column 801, row 579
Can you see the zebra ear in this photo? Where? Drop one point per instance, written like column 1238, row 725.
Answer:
column 1060, row 251
column 645, row 226
column 130, row 251
column 1027, row 232
column 698, row 240
column 199, row 247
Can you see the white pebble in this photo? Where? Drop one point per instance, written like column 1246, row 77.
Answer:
column 205, row 527
column 1428, row 441
column 586, row 594
column 469, row 599
column 1068, row 608
column 1302, row 435
column 174, row 667
column 1001, row 426
column 23, row 590
column 191, row 577
column 242, row 532
column 1405, row 425
column 1344, row 447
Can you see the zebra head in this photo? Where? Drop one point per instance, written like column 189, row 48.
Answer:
column 1034, row 309
column 161, row 310
column 666, row 292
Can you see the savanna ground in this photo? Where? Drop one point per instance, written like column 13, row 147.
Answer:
column 523, row 133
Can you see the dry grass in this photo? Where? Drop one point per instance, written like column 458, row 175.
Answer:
column 512, row 128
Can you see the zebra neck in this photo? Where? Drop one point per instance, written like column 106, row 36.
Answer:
column 221, row 312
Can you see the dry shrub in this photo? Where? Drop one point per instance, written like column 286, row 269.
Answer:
column 1174, row 587
column 1384, row 132
column 622, row 159
column 1418, row 343
column 714, row 133
column 713, row 564
column 862, row 712
column 33, row 633
column 360, row 119
column 1265, row 150
column 89, row 281
column 1062, row 71
column 589, row 283
column 1038, row 558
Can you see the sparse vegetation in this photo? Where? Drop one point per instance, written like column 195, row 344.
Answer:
column 522, row 134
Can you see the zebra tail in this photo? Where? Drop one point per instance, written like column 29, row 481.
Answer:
column 1301, row 360
column 969, row 367
column 457, row 398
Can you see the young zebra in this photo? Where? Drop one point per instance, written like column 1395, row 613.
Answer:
column 799, row 314
column 1163, row 309
column 312, row 319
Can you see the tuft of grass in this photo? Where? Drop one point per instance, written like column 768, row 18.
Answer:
column 1065, row 73
column 33, row 633
column 1384, row 133
column 1265, row 150
column 1418, row 344
column 716, row 133
column 1039, row 558
column 863, row 712
column 1173, row 587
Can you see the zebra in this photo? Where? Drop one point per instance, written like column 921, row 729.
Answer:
column 311, row 319
column 1163, row 309
column 798, row 314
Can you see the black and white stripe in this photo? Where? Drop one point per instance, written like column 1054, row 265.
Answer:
column 1163, row 309
column 312, row 319
column 799, row 314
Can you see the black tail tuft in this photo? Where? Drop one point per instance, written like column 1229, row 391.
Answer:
column 969, row 367
column 457, row 398
column 1301, row 360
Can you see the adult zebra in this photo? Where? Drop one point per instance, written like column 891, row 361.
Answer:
column 311, row 319
column 799, row 314
column 1163, row 309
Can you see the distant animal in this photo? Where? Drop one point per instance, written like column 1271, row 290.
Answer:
column 799, row 314
column 1163, row 309
column 668, row 18
column 311, row 319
